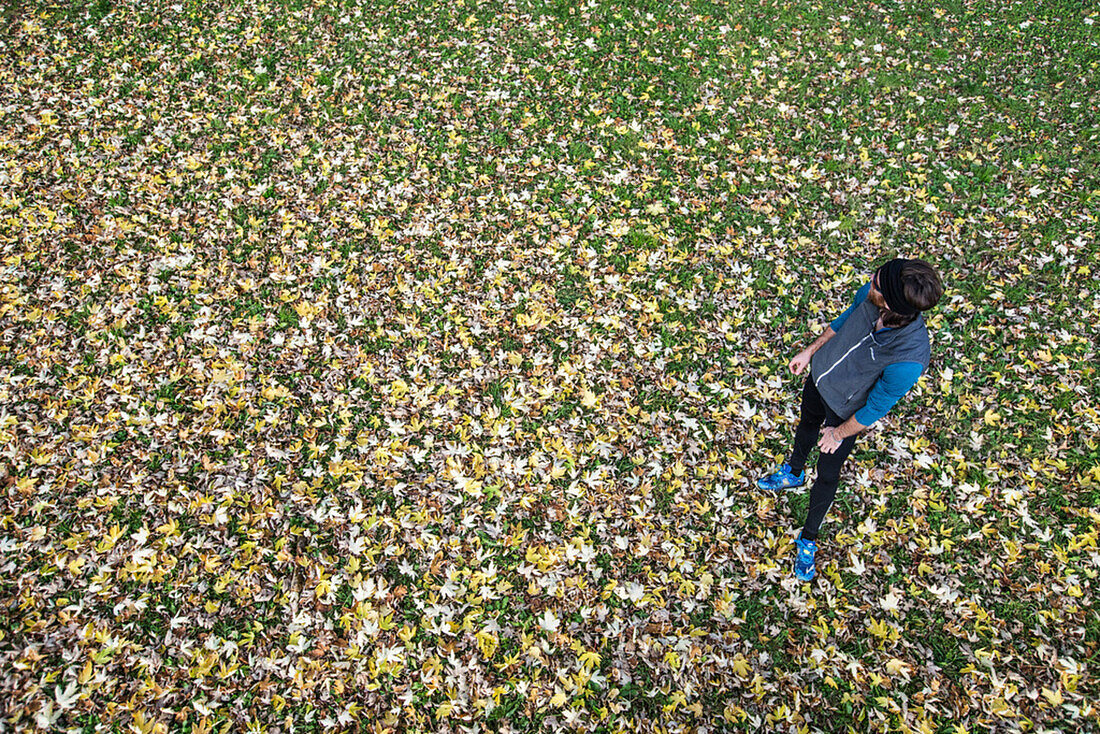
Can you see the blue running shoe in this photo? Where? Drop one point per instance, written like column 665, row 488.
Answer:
column 782, row 478
column 804, row 563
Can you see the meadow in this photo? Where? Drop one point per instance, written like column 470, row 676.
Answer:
column 406, row 366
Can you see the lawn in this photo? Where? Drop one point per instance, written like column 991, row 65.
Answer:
column 405, row 366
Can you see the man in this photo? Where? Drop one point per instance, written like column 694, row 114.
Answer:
column 864, row 362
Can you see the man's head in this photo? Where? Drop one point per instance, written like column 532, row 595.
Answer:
column 903, row 288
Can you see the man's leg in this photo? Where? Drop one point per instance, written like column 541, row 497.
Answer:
column 809, row 426
column 823, row 490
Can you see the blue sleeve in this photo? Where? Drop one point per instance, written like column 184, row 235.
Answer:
column 861, row 295
column 896, row 380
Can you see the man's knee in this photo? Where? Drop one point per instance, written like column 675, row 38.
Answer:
column 828, row 476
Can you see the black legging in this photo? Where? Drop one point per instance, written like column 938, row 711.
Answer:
column 815, row 414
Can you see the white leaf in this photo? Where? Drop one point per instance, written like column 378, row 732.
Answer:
column 46, row 716
column 68, row 696
column 549, row 622
column 890, row 602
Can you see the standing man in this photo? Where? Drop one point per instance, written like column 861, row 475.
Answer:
column 863, row 363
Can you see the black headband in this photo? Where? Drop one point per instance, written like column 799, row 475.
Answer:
column 892, row 288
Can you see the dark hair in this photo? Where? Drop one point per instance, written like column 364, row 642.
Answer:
column 923, row 287
column 923, row 290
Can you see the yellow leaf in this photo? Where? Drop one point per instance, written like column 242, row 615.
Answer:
column 588, row 398
column 734, row 713
column 111, row 538
column 741, row 666
column 487, row 643
column 896, row 667
column 589, row 660
column 169, row 528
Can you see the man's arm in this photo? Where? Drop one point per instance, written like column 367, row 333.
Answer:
column 849, row 427
column 896, row 380
column 831, row 437
column 802, row 360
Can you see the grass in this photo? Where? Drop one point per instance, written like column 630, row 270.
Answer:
column 275, row 275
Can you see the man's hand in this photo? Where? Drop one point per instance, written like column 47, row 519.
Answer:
column 801, row 361
column 829, row 441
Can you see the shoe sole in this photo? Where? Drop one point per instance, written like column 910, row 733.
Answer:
column 780, row 489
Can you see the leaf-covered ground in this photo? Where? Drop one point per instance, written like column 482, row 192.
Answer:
column 401, row 366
